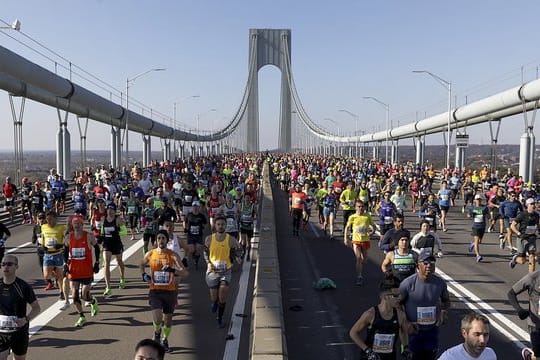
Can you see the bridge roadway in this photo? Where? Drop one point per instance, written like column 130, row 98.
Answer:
column 124, row 318
column 320, row 329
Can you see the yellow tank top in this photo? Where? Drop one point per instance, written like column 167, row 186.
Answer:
column 52, row 238
column 161, row 280
column 220, row 252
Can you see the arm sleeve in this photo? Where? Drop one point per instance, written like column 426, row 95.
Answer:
column 96, row 252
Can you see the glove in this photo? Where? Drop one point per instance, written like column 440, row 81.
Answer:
column 523, row 314
column 406, row 353
column 66, row 268
column 96, row 267
column 167, row 268
column 371, row 355
column 440, row 254
column 146, row 277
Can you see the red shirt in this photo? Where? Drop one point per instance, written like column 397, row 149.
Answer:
column 80, row 255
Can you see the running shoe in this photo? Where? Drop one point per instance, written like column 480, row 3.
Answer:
column 513, row 261
column 527, row 353
column 502, row 241
column 479, row 258
column 81, row 321
column 107, row 292
column 49, row 286
column 64, row 306
column 61, row 296
column 220, row 324
column 444, row 229
column 157, row 335
column 471, row 247
column 94, row 308
column 165, row 344
column 122, row 284
column 132, row 238
column 213, row 307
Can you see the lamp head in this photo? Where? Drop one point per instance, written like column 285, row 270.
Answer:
column 16, row 25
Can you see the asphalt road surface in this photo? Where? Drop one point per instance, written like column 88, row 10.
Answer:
column 125, row 317
column 318, row 322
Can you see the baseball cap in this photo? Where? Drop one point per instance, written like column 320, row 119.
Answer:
column 529, row 201
column 111, row 206
column 477, row 197
column 426, row 254
column 196, row 203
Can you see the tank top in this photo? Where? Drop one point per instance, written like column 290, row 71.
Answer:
column 246, row 217
column 220, row 252
column 98, row 221
column 80, row 255
column 110, row 230
column 381, row 335
column 403, row 265
column 213, row 204
column 161, row 280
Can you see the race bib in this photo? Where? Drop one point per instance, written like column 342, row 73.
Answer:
column 444, row 197
column 215, row 210
column 362, row 230
column 8, row 324
column 388, row 220
column 10, row 199
column 231, row 224
column 99, row 224
column 194, row 229
column 161, row 278
column 530, row 229
column 430, row 220
column 246, row 218
column 220, row 265
column 188, row 198
column 78, row 253
column 478, row 218
column 25, row 197
column 132, row 209
column 426, row 315
column 383, row 343
column 297, row 201
column 50, row 242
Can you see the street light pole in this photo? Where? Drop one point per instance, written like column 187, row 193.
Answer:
column 126, row 131
column 356, row 118
column 448, row 86
column 388, row 125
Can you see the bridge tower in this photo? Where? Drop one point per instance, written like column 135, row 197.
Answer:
column 266, row 47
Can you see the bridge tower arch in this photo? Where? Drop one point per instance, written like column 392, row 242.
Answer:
column 267, row 47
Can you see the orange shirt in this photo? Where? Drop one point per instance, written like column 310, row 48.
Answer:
column 161, row 280
column 298, row 199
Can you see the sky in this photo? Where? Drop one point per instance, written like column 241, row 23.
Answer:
column 342, row 51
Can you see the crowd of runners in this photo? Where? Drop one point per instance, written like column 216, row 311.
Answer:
column 372, row 199
column 207, row 207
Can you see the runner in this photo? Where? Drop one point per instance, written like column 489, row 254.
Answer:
column 362, row 227
column 80, row 267
column 297, row 199
column 426, row 238
column 384, row 322
column 510, row 209
column 10, row 192
column 164, row 266
column 4, row 235
column 444, row 196
column 113, row 227
column 531, row 284
column 401, row 262
column 479, row 213
column 220, row 248
column 15, row 322
column 248, row 215
column 53, row 260
column 193, row 227
column 475, row 332
column 426, row 300
column 525, row 226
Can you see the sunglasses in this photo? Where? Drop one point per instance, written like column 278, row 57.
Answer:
column 8, row 263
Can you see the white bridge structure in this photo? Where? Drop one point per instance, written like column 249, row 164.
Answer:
column 22, row 78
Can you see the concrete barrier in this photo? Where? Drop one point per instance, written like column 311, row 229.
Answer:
column 267, row 336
